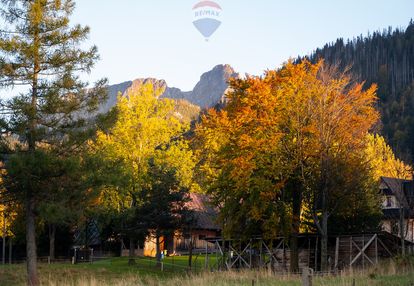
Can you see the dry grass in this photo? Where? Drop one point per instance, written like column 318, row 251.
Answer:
column 117, row 273
column 239, row 278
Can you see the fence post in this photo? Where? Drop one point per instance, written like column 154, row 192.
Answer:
column 74, row 256
column 307, row 276
column 336, row 253
column 206, row 259
column 91, row 256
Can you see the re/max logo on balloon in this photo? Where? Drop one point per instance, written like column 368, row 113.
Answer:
column 205, row 13
column 207, row 17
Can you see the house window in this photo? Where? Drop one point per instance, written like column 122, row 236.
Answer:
column 388, row 202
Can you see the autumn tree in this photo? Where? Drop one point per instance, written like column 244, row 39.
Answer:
column 40, row 52
column 293, row 84
column 7, row 207
column 240, row 160
column 383, row 162
column 287, row 141
column 344, row 113
column 8, row 215
column 146, row 128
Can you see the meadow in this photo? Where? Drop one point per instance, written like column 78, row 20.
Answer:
column 117, row 272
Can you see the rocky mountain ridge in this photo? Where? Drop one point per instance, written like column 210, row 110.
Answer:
column 208, row 92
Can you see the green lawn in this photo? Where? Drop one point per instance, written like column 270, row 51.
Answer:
column 117, row 272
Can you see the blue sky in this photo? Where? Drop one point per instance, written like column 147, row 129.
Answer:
column 156, row 38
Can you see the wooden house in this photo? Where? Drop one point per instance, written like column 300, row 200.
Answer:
column 398, row 203
column 180, row 242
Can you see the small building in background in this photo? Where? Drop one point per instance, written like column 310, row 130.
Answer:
column 397, row 201
column 182, row 240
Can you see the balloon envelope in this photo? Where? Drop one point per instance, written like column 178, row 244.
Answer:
column 207, row 16
column 207, row 26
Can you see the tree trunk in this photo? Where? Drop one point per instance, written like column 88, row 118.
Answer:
column 158, row 250
column 294, row 253
column 324, row 242
column 52, row 236
column 10, row 250
column 323, row 229
column 32, row 275
column 33, row 278
column 295, row 229
column 131, row 260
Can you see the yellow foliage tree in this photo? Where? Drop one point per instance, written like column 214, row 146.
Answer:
column 7, row 217
column 7, row 211
column 383, row 162
column 146, row 128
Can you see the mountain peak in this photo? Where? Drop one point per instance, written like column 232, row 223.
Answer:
column 212, row 86
column 159, row 85
column 209, row 91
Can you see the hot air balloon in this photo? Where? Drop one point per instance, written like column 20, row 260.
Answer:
column 207, row 17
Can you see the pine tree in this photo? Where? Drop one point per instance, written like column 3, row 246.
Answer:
column 39, row 51
column 163, row 207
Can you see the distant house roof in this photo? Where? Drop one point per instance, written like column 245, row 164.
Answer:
column 204, row 212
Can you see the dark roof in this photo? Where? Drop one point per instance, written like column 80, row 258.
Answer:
column 403, row 190
column 204, row 212
column 396, row 188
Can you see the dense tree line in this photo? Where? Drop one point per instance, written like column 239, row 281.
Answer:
column 387, row 59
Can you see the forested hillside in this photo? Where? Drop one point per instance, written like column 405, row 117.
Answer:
column 385, row 58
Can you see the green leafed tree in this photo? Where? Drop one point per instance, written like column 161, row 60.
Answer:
column 146, row 128
column 40, row 53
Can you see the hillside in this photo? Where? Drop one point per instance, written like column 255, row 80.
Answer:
column 385, row 58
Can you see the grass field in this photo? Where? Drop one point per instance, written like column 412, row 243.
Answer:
column 117, row 272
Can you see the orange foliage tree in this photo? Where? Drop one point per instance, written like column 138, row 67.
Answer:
column 290, row 140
